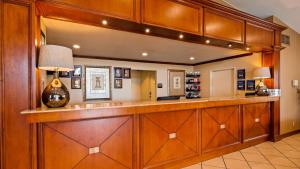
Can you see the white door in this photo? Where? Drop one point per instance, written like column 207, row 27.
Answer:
column 222, row 83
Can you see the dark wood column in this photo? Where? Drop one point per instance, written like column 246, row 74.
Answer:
column 17, row 81
column 272, row 59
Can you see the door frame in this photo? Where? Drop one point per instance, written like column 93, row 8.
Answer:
column 222, row 69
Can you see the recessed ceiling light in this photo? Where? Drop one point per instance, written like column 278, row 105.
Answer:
column 104, row 22
column 144, row 54
column 76, row 46
column 147, row 30
column 207, row 41
column 230, row 45
column 247, row 48
column 192, row 58
column 181, row 36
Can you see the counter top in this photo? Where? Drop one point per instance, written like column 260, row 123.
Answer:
column 113, row 108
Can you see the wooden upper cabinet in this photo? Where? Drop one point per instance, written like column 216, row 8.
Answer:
column 123, row 9
column 256, row 120
column 168, row 136
column 173, row 15
column 259, row 36
column 223, row 26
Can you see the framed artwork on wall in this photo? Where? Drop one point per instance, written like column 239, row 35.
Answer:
column 176, row 82
column 241, row 85
column 126, row 73
column 97, row 83
column 251, row 85
column 118, row 72
column 118, row 84
column 77, row 72
column 75, row 83
column 241, row 74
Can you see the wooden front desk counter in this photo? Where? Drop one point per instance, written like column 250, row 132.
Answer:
column 165, row 134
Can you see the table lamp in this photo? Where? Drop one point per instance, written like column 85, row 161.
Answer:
column 55, row 58
column 261, row 74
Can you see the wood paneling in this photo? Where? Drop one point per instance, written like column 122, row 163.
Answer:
column 124, row 9
column 220, row 128
column 17, row 53
column 259, row 36
column 256, row 120
column 223, row 26
column 168, row 136
column 172, row 14
column 67, row 144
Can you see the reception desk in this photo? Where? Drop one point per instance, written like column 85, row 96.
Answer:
column 164, row 134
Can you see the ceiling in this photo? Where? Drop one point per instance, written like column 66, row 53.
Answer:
column 102, row 42
column 286, row 10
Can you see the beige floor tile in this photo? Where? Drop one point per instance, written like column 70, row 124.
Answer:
column 272, row 152
column 265, row 145
column 196, row 166
column 255, row 157
column 236, row 164
column 284, row 167
column 282, row 146
column 210, row 167
column 296, row 161
column 216, row 162
column 291, row 154
column 255, row 165
column 252, row 150
column 280, row 161
column 235, row 155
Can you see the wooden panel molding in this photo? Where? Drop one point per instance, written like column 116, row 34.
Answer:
column 220, row 128
column 259, row 36
column 168, row 136
column 256, row 120
column 69, row 145
column 173, row 14
column 123, row 9
column 223, row 26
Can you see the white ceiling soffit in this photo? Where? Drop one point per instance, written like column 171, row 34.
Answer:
column 286, row 10
column 97, row 41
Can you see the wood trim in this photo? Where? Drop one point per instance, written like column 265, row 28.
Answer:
column 1, row 87
column 282, row 136
column 222, row 59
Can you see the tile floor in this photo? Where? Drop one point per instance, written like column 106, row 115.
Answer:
column 284, row 154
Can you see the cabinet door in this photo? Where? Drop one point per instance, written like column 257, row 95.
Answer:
column 220, row 128
column 100, row 143
column 256, row 118
column 124, row 9
column 259, row 36
column 172, row 14
column 223, row 26
column 168, row 136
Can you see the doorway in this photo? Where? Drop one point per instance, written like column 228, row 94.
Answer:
column 143, row 85
column 222, row 83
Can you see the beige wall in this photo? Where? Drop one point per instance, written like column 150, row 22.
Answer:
column 128, row 92
column 248, row 63
column 289, row 70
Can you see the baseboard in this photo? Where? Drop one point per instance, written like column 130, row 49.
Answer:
column 282, row 136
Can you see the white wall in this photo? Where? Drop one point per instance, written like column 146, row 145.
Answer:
column 249, row 63
column 127, row 93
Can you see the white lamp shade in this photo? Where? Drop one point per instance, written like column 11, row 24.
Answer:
column 262, row 73
column 55, row 58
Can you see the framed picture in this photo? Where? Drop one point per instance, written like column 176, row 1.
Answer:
column 241, row 74
column 126, row 73
column 118, row 71
column 118, row 83
column 97, row 83
column 64, row 74
column 75, row 83
column 241, row 85
column 251, row 85
column 176, row 82
column 77, row 72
